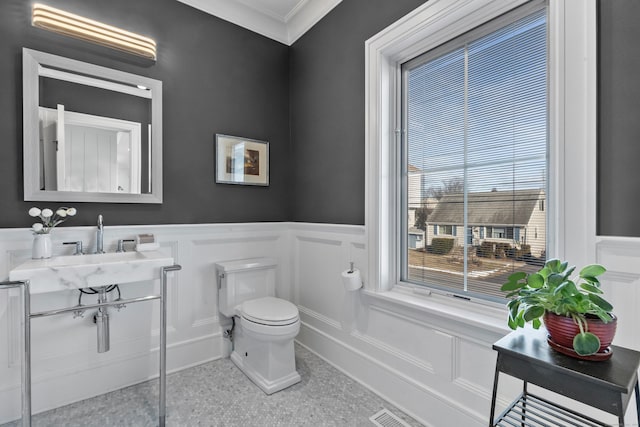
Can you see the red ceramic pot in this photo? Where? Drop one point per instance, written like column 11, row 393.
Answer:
column 563, row 329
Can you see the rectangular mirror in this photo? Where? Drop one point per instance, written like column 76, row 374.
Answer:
column 91, row 134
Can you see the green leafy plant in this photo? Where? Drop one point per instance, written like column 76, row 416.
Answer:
column 442, row 245
column 553, row 289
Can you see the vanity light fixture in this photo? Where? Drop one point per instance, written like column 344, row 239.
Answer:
column 62, row 22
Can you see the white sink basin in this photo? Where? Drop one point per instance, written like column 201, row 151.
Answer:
column 84, row 271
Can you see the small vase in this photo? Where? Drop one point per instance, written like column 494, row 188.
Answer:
column 41, row 246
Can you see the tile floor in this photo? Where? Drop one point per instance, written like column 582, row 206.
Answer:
column 218, row 394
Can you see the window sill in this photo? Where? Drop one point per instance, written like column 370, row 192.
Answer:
column 490, row 318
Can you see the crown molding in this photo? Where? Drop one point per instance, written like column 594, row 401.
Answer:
column 307, row 14
column 284, row 29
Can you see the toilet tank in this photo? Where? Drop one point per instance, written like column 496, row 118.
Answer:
column 242, row 280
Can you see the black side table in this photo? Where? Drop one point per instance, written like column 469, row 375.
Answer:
column 606, row 385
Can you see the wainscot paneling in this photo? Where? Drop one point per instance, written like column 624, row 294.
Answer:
column 65, row 364
column 621, row 284
column 438, row 369
column 433, row 360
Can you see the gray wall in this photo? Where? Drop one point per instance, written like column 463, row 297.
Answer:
column 306, row 100
column 619, row 119
column 217, row 77
column 327, row 110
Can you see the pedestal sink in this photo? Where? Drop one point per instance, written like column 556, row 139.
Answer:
column 84, row 271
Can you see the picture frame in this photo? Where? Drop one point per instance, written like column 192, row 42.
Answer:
column 241, row 161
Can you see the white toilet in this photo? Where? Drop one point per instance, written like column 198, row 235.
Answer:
column 265, row 326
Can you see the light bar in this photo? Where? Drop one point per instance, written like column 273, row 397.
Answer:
column 76, row 26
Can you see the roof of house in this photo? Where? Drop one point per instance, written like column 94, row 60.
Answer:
column 487, row 208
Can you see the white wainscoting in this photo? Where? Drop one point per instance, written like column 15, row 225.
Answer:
column 436, row 369
column 66, row 366
column 621, row 284
column 435, row 365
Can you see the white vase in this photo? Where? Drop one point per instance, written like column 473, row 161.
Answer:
column 41, row 246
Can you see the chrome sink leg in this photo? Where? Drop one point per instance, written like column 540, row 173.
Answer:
column 163, row 344
column 26, row 363
column 25, row 300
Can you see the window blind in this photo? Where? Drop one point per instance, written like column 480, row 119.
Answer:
column 475, row 117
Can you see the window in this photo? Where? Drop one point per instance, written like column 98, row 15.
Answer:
column 498, row 233
column 571, row 153
column 445, row 229
column 511, row 233
column 475, row 137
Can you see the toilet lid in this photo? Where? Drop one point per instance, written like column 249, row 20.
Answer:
column 270, row 311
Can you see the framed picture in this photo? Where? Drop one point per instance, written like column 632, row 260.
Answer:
column 241, row 161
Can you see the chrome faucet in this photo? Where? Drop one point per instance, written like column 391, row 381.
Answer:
column 99, row 236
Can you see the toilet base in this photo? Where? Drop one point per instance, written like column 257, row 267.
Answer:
column 270, row 365
column 269, row 387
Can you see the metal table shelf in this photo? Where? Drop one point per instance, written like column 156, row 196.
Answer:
column 529, row 410
column 605, row 385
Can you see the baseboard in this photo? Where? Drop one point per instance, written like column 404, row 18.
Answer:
column 424, row 405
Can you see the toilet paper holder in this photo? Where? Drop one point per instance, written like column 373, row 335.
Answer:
column 351, row 278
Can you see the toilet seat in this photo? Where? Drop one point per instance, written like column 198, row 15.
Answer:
column 269, row 311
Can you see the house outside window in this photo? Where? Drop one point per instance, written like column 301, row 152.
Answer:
column 475, row 132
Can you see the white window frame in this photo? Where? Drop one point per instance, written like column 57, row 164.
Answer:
column 572, row 124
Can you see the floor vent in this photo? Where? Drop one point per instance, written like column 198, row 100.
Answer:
column 385, row 418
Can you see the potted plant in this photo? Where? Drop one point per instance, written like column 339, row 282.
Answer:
column 572, row 304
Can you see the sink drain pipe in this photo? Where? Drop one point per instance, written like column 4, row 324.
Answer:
column 101, row 319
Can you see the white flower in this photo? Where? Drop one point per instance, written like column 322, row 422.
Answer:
column 48, row 219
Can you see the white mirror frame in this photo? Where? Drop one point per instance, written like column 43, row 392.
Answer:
column 32, row 63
